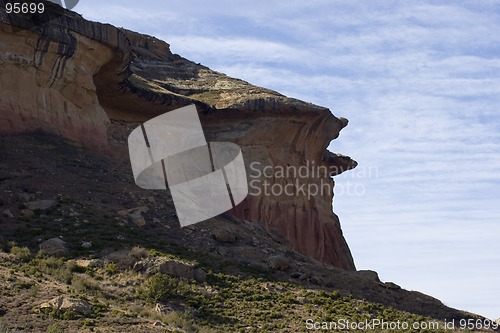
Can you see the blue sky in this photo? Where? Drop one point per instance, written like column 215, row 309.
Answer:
column 419, row 82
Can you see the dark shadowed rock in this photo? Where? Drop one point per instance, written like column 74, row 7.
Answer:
column 368, row 275
column 55, row 247
column 41, row 204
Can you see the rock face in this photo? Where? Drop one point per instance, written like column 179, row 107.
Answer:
column 77, row 307
column 71, row 76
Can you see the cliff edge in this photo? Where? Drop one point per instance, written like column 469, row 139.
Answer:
column 72, row 77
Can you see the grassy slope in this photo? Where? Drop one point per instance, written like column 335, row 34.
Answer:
column 90, row 190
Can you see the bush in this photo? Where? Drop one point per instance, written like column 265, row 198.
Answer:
column 162, row 288
column 21, row 253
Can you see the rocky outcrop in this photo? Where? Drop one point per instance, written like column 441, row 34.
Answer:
column 74, row 307
column 55, row 247
column 71, row 76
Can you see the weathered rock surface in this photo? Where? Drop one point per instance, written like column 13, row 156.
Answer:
column 64, row 304
column 55, row 247
column 71, row 76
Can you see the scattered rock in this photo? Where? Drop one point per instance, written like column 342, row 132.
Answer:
column 8, row 213
column 182, row 270
column 162, row 309
column 123, row 213
column 317, row 280
column 137, row 218
column 200, row 275
column 223, row 251
column 41, row 204
column 223, row 236
column 368, row 275
column 55, row 247
column 26, row 213
column 261, row 267
column 158, row 324
column 86, row 245
column 77, row 307
column 189, row 229
column 135, row 215
column 279, row 262
column 174, row 268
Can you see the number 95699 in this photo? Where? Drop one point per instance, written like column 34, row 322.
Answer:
column 24, row 7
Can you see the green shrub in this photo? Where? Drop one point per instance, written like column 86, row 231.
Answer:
column 54, row 267
column 21, row 253
column 138, row 253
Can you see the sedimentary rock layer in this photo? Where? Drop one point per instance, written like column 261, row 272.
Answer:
column 70, row 76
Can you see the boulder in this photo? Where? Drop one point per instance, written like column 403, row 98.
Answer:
column 368, row 275
column 137, row 218
column 391, row 286
column 114, row 83
column 174, row 268
column 8, row 213
column 86, row 245
column 64, row 304
column 55, row 247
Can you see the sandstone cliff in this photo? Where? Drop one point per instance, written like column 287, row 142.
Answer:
column 71, row 77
